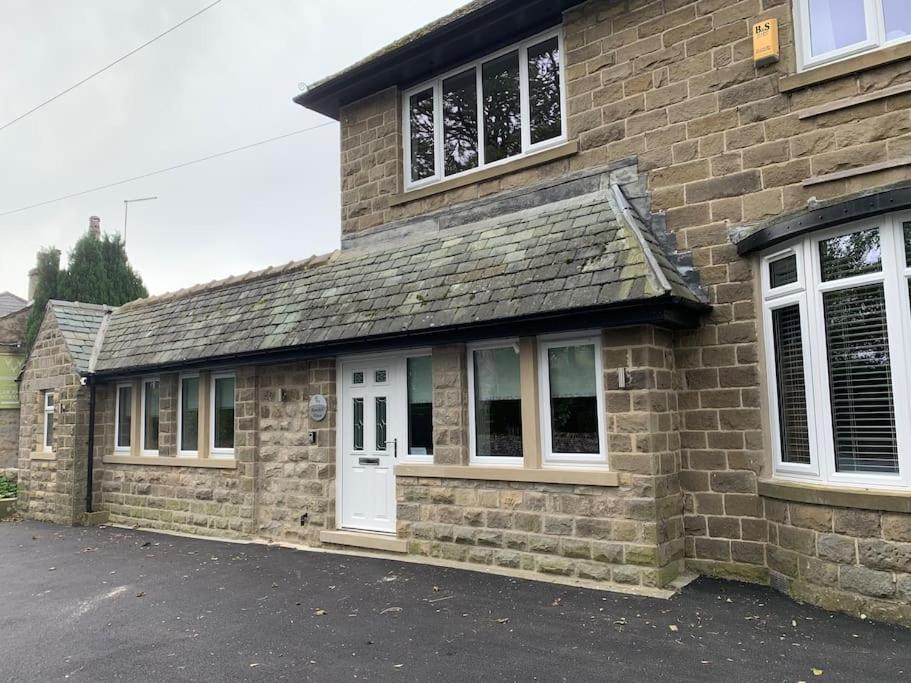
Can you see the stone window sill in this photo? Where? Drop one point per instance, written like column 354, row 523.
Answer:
column 846, row 67
column 159, row 461
column 567, row 149
column 41, row 455
column 819, row 494
column 576, row 477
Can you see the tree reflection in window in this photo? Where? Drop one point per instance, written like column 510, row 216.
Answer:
column 423, row 161
column 546, row 116
column 460, row 122
column 502, row 108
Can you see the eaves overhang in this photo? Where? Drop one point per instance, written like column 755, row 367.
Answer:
column 480, row 27
column 668, row 312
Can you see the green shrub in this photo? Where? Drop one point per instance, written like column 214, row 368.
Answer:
column 7, row 488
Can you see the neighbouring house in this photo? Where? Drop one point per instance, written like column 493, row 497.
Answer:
column 622, row 294
column 13, row 316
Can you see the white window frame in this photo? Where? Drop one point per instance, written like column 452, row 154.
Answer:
column 142, row 412
column 437, row 85
column 808, row 294
column 223, row 453
column 199, row 432
column 404, row 452
column 117, row 388
column 473, row 457
column 549, row 457
column 47, row 412
column 874, row 14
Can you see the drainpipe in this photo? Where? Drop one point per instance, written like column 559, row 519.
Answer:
column 90, row 470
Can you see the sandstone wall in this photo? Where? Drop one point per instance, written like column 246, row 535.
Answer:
column 52, row 486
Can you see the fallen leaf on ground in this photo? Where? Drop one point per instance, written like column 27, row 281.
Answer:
column 816, row 672
column 321, row 613
column 673, row 627
column 140, row 594
column 503, row 620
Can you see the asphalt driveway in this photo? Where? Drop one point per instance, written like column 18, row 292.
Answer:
column 111, row 604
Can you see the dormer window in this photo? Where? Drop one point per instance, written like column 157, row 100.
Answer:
column 506, row 105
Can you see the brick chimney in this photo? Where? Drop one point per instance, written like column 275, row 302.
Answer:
column 95, row 226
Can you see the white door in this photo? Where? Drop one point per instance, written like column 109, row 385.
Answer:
column 370, row 417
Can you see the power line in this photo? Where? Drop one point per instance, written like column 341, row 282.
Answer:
column 105, row 68
column 168, row 169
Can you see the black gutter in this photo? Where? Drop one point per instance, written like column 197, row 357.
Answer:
column 668, row 312
column 90, row 469
column 781, row 230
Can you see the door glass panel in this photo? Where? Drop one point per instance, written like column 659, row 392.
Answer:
column 544, row 91
column 857, row 253
column 420, row 112
column 898, row 19
column 357, row 378
column 907, row 230
column 381, row 423
column 420, row 406
column 836, row 24
column 502, row 108
column 460, row 122
column 358, row 424
column 380, row 376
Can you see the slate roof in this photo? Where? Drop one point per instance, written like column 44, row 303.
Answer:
column 10, row 303
column 80, row 325
column 565, row 256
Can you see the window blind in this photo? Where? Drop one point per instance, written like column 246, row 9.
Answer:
column 792, row 391
column 860, row 380
column 783, row 271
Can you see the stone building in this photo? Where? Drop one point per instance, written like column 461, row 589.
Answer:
column 622, row 294
column 13, row 315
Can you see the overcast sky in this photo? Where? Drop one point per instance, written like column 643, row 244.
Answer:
column 223, row 80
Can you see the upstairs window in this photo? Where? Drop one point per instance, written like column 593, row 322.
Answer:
column 830, row 30
column 501, row 107
column 837, row 330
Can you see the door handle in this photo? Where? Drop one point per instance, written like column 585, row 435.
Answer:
column 395, row 447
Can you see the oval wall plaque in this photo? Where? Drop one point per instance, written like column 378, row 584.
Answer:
column 319, row 408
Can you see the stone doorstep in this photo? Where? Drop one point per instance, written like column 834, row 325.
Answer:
column 385, row 542
column 644, row 591
column 93, row 518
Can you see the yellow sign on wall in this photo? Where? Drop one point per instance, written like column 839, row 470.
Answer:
column 10, row 364
column 766, row 46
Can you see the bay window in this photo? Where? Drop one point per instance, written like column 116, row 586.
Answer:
column 572, row 408
column 837, row 332
column 829, row 30
column 506, row 105
column 495, row 414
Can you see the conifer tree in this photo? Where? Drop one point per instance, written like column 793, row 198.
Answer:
column 98, row 272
